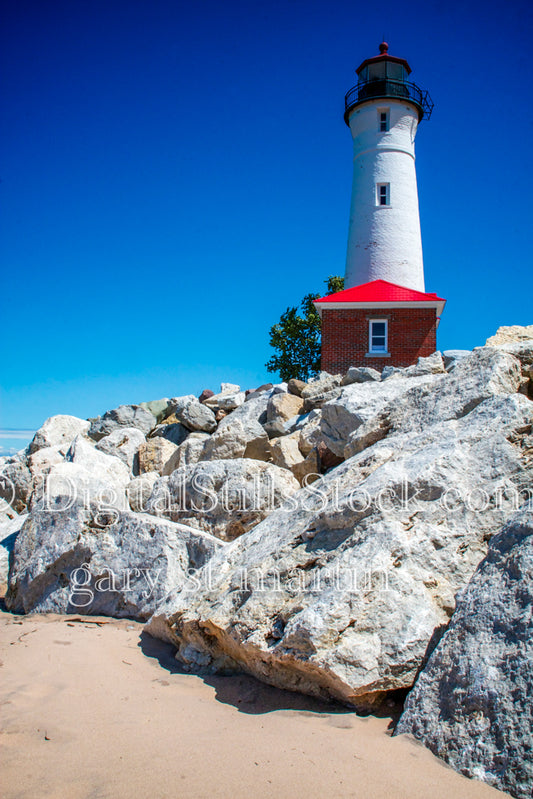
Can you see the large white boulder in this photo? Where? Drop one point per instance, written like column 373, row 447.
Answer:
column 225, row 497
column 339, row 593
column 118, row 564
column 123, row 443
column 58, row 431
column 472, row 704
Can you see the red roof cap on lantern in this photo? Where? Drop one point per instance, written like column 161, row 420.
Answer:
column 382, row 292
column 384, row 56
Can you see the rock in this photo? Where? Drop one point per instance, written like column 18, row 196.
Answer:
column 229, row 398
column 317, row 392
column 197, row 417
column 139, row 490
column 357, row 403
column 177, row 404
column 308, row 470
column 310, row 434
column 504, row 335
column 123, row 416
column 41, row 462
column 432, row 365
column 275, row 428
column 254, row 393
column 191, row 451
column 484, row 373
column 225, row 498
column 285, row 452
column 295, row 386
column 280, row 388
column 282, row 407
column 87, row 475
column 451, row 357
column 237, row 436
column 123, row 443
column 326, row 459
column 158, row 408
column 360, row 374
column 154, row 454
column 220, row 414
column 118, row 564
column 472, row 703
column 176, row 432
column 16, row 483
column 58, row 431
column 10, row 524
column 339, row 593
column 206, row 393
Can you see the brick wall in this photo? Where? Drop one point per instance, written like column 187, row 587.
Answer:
column 412, row 333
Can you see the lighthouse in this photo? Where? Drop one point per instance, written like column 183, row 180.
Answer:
column 384, row 316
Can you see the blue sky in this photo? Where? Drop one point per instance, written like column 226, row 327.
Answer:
column 176, row 174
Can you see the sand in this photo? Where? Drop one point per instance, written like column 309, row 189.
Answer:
column 92, row 711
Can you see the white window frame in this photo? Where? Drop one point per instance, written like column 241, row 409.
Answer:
column 381, row 112
column 379, row 195
column 371, row 349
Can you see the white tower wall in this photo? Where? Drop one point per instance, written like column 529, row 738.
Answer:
column 384, row 241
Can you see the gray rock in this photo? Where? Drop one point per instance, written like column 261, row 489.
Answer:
column 10, row 524
column 123, row 416
column 140, row 489
column 472, row 705
column 119, row 564
column 58, row 430
column 16, row 483
column 191, row 451
column 177, row 404
column 359, row 402
column 225, row 498
column 310, row 434
column 229, row 398
column 360, row 374
column 339, row 593
column 197, row 417
column 176, row 432
column 237, row 436
column 484, row 373
column 319, row 391
column 41, row 461
column 123, row 443
column 451, row 357
column 432, row 365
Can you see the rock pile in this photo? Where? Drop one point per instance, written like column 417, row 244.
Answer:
column 312, row 534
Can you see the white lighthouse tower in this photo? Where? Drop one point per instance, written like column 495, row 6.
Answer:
column 383, row 316
column 383, row 112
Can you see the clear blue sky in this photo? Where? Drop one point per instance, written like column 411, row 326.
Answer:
column 175, row 174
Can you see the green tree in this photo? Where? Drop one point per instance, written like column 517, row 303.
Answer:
column 296, row 337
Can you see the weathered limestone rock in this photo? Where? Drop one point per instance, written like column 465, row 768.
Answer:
column 118, row 564
column 504, row 335
column 360, row 374
column 225, row 498
column 16, row 483
column 308, row 470
column 285, row 451
column 191, row 451
column 197, row 417
column 10, row 524
column 359, row 402
column 139, row 490
column 451, row 357
column 58, row 430
column 317, row 392
column 229, row 398
column 485, row 372
column 123, row 443
column 282, row 407
column 123, row 416
column 339, row 593
column 256, row 392
column 432, row 365
column 472, row 704
column 310, row 434
column 154, row 454
column 238, row 436
column 41, row 461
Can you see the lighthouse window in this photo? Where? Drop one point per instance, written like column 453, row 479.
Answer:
column 378, row 335
column 383, row 121
column 383, row 194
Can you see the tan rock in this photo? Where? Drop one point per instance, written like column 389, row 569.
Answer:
column 154, row 454
column 283, row 407
column 511, row 333
column 308, row 470
column 285, row 451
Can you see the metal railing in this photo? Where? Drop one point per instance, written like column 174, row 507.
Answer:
column 385, row 87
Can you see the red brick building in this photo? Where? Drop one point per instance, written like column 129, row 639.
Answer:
column 377, row 324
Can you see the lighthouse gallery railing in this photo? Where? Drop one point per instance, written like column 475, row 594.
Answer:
column 376, row 88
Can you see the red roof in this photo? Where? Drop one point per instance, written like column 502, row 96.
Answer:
column 383, row 56
column 380, row 291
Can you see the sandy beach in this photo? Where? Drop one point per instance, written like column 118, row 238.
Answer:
column 92, row 708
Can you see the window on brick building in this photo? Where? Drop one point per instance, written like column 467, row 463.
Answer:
column 377, row 336
column 383, row 193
